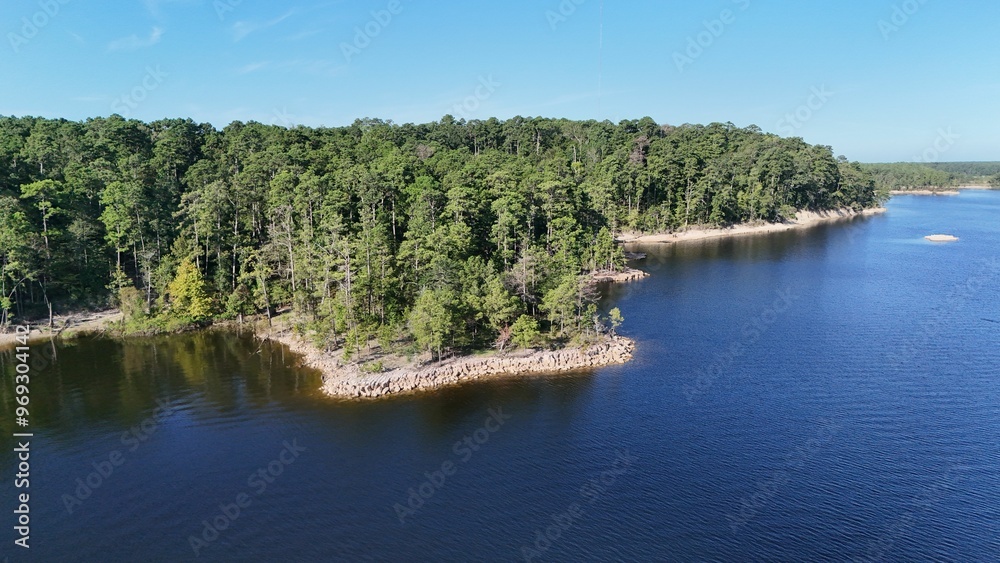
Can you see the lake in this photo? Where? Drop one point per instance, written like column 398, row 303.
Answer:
column 828, row 394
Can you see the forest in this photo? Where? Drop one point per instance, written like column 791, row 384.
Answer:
column 933, row 175
column 449, row 235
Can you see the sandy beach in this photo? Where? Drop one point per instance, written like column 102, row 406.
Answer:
column 942, row 191
column 927, row 192
column 802, row 220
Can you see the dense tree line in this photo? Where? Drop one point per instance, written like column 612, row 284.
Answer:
column 909, row 176
column 970, row 169
column 914, row 175
column 453, row 234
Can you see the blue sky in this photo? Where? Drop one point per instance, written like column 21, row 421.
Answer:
column 878, row 80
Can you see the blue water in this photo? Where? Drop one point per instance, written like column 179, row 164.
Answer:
column 822, row 395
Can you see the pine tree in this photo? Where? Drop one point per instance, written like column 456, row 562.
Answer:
column 189, row 294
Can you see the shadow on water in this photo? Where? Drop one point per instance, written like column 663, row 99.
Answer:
column 689, row 258
column 93, row 380
column 764, row 247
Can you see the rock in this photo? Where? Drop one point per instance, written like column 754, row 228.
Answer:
column 941, row 238
column 349, row 382
column 629, row 274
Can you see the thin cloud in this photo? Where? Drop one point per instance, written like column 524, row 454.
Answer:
column 303, row 35
column 243, row 28
column 134, row 42
column 252, row 67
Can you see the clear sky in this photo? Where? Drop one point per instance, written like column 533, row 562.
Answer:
column 879, row 80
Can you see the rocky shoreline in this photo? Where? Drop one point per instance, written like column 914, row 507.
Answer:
column 349, row 381
column 629, row 274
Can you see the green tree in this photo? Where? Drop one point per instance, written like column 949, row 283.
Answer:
column 432, row 320
column 524, row 332
column 45, row 194
column 189, row 298
column 500, row 306
column 616, row 319
column 14, row 254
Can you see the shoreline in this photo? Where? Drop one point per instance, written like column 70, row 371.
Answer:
column 803, row 219
column 924, row 192
column 956, row 190
column 629, row 274
column 348, row 381
column 64, row 326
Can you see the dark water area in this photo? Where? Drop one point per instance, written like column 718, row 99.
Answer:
column 830, row 394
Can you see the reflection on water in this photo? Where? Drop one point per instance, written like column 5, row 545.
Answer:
column 105, row 381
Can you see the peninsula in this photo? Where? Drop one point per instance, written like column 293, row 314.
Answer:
column 427, row 241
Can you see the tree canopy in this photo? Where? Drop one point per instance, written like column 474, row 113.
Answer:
column 453, row 234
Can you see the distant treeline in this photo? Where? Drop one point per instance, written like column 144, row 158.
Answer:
column 914, row 176
column 971, row 169
column 449, row 234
